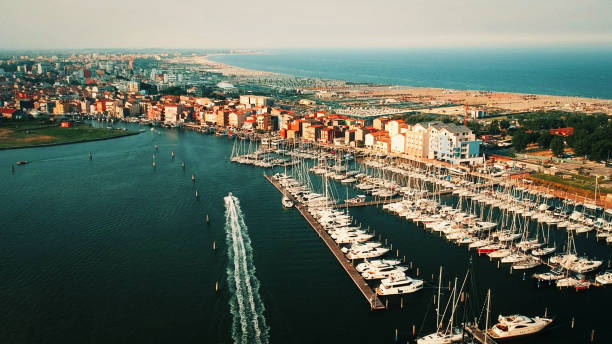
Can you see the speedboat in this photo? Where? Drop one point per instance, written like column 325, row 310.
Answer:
column 517, row 325
column 399, row 284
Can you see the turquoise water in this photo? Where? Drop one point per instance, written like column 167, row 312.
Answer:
column 577, row 71
column 114, row 250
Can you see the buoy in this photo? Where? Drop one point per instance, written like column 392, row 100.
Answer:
column 172, row 155
column 153, row 163
column 572, row 322
column 196, row 193
column 396, row 335
column 214, row 246
column 183, row 164
column 217, row 286
column 193, row 178
column 592, row 335
column 413, row 330
column 207, row 219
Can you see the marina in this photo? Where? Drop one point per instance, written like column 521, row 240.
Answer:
column 277, row 233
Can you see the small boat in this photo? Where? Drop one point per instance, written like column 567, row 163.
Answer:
column 287, row 202
column 605, row 278
column 517, row 325
column 22, row 162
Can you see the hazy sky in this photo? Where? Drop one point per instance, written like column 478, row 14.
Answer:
column 294, row 24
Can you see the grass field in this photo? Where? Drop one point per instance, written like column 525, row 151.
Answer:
column 37, row 133
column 579, row 182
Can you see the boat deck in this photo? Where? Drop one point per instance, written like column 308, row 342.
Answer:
column 368, row 293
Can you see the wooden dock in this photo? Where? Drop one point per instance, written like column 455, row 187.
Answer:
column 479, row 335
column 368, row 293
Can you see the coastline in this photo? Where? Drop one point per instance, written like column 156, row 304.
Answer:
column 512, row 101
column 72, row 142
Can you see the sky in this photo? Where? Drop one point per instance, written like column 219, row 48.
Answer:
column 273, row 24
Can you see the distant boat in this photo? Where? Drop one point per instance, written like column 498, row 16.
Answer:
column 287, row 203
column 22, row 162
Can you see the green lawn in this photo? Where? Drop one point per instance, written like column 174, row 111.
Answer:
column 34, row 133
column 577, row 181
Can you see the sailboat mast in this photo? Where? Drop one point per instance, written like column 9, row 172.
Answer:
column 487, row 319
column 438, row 302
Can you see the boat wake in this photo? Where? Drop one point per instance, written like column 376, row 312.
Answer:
column 246, row 305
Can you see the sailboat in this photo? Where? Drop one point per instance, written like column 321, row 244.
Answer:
column 450, row 334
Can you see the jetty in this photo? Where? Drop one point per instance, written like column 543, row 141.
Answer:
column 479, row 335
column 378, row 201
column 364, row 288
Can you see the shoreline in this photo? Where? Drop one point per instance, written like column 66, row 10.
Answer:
column 517, row 101
column 72, row 142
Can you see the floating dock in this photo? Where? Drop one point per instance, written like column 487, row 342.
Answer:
column 368, row 293
column 479, row 335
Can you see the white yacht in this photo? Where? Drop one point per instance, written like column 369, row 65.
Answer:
column 372, row 252
column 376, row 263
column 399, row 284
column 605, row 278
column 517, row 325
column 383, row 272
column 287, row 202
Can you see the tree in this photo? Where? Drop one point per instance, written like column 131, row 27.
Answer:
column 556, row 145
column 493, row 128
column 504, row 124
column 520, row 140
column 544, row 140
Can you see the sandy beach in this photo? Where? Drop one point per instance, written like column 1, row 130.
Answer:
column 437, row 99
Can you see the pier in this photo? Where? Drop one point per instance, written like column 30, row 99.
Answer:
column 479, row 335
column 388, row 200
column 364, row 288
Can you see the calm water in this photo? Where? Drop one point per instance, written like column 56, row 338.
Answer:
column 113, row 250
column 579, row 71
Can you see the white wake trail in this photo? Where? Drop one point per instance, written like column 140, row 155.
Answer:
column 246, row 305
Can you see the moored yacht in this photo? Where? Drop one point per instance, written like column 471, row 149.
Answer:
column 517, row 325
column 399, row 284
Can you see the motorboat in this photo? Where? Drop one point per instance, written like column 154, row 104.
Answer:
column 372, row 252
column 287, row 202
column 517, row 325
column 376, row 263
column 383, row 272
column 399, row 284
column 605, row 278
